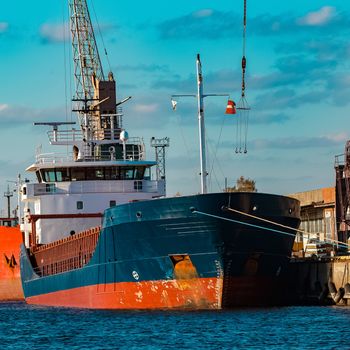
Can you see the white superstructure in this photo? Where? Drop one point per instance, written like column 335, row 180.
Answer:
column 83, row 186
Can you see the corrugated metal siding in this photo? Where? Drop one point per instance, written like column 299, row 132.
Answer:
column 66, row 254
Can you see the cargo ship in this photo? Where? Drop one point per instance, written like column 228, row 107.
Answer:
column 101, row 233
column 10, row 241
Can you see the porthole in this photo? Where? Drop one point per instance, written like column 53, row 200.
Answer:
column 135, row 275
column 139, row 215
column 255, row 208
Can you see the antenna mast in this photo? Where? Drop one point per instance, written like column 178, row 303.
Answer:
column 8, row 194
column 160, row 146
column 201, row 125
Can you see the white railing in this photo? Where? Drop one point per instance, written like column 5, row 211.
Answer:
column 65, row 135
column 136, row 152
column 52, row 158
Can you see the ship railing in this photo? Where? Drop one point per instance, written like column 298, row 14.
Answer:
column 135, row 150
column 65, row 135
column 52, row 158
column 8, row 222
column 77, row 135
column 69, row 136
column 339, row 160
column 63, row 265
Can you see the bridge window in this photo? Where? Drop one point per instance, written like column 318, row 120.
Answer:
column 62, row 175
column 129, row 174
column 49, row 175
column 80, row 205
column 78, row 174
column 38, row 176
column 139, row 173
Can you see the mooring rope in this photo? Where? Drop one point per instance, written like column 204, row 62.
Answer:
column 303, row 232
column 265, row 220
column 244, row 223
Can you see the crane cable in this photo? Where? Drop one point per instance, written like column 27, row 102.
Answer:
column 243, row 107
column 244, row 65
column 244, row 60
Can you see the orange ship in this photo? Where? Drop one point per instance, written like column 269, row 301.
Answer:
column 10, row 279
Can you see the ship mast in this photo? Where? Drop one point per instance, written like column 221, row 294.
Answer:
column 201, row 126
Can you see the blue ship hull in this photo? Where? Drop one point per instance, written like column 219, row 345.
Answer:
column 176, row 253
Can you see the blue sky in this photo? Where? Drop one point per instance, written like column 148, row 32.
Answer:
column 298, row 84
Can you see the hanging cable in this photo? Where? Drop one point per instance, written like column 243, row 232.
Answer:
column 244, row 60
column 243, row 106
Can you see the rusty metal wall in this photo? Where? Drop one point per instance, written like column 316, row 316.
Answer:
column 66, row 254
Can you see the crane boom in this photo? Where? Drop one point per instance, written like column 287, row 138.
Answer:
column 87, row 62
column 95, row 96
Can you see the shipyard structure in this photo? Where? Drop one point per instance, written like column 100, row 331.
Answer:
column 319, row 272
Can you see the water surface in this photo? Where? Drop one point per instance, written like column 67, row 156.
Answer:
column 24, row 326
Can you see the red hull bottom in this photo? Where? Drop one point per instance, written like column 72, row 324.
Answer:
column 198, row 293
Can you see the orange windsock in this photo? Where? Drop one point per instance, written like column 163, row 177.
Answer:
column 231, row 107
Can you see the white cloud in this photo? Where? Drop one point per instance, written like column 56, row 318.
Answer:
column 340, row 137
column 27, row 115
column 3, row 27
column 54, row 32
column 146, row 108
column 203, row 13
column 318, row 18
column 3, row 107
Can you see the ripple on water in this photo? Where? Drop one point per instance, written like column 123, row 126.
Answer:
column 24, row 326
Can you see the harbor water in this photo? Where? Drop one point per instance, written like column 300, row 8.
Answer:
column 28, row 327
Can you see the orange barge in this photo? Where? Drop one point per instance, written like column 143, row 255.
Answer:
column 10, row 279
